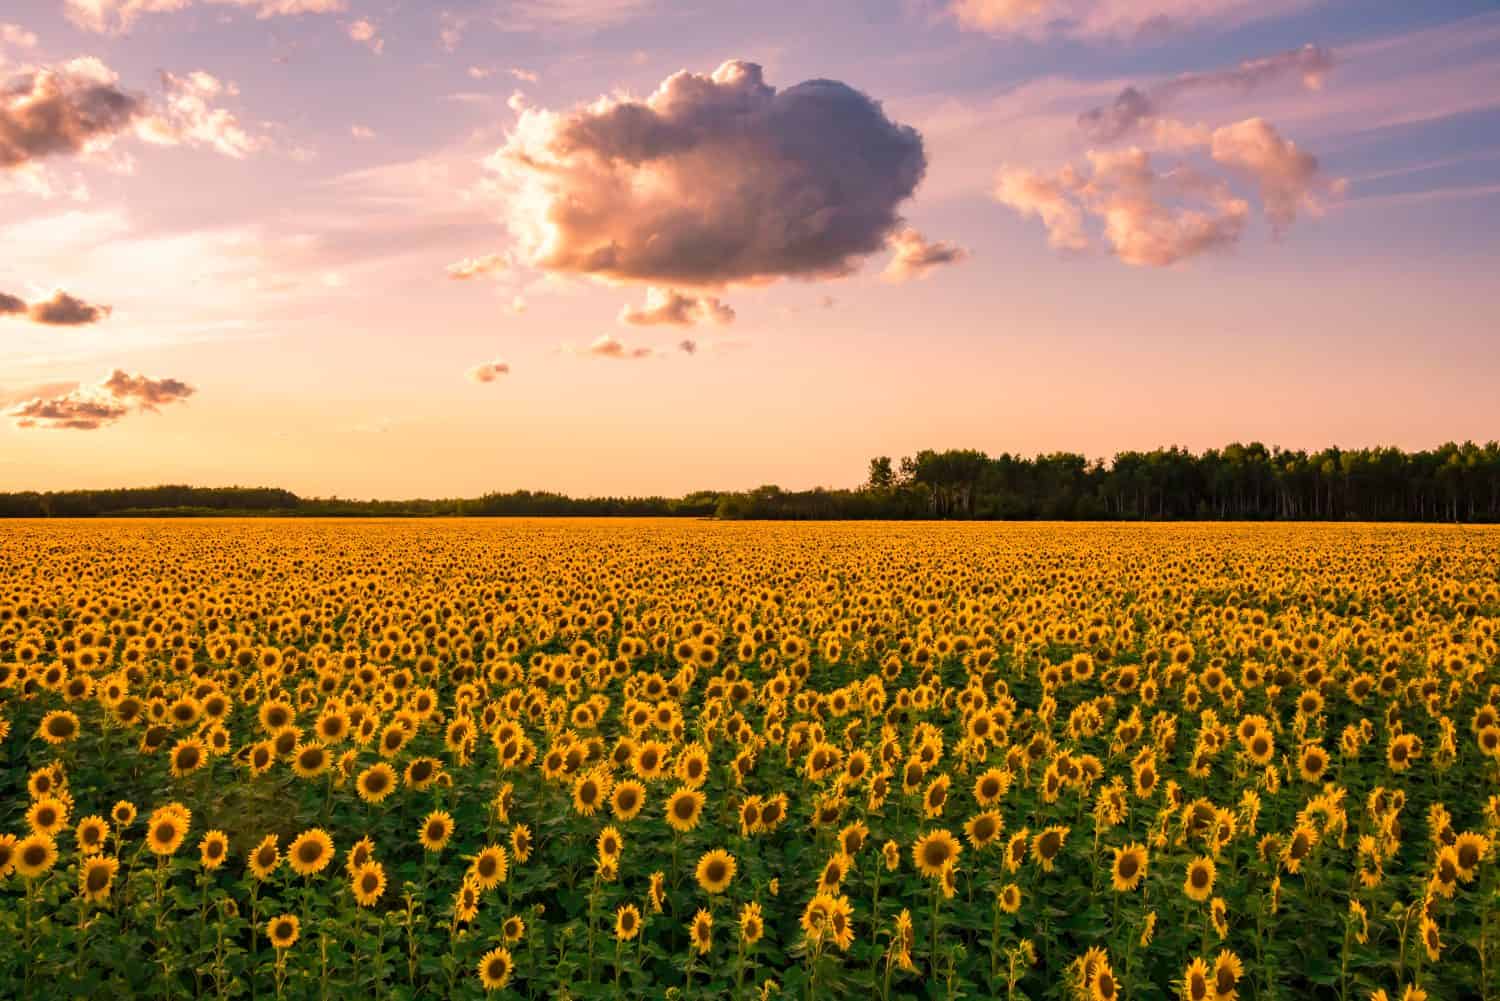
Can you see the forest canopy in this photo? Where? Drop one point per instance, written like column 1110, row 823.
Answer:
column 1454, row 482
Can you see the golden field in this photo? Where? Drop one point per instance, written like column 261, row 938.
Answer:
column 411, row 759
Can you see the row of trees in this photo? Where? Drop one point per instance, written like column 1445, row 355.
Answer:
column 1450, row 483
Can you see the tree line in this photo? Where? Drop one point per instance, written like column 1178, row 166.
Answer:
column 1454, row 482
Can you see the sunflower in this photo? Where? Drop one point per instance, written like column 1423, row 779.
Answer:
column 1432, row 941
column 684, row 808
column 703, row 931
column 904, row 940
column 311, row 852
column 495, row 969
column 283, row 931
column 47, row 815
column 1304, row 838
column 188, row 756
column 1010, row 898
column 1199, row 884
column 716, row 871
column 692, row 766
column 166, row 831
column 1218, row 913
column 627, row 799
column 95, row 877
column 1470, row 849
column 1402, row 751
column 1129, row 867
column 627, row 922
column 261, row 757
column 1227, row 972
column 650, row 760
column 310, row 760
column 752, row 923
column 213, row 849
column 816, row 918
column 437, row 828
column 91, row 833
column 589, row 791
column 466, row 901
column 834, row 871
column 368, row 883
column 984, row 828
column 265, row 857
column 935, row 797
column 58, row 727
column 609, row 844
column 1047, row 845
column 123, row 814
column 773, row 811
column 1312, row 763
column 1102, row 983
column 490, row 867
column 656, row 892
column 421, row 773
column 375, row 783
column 520, row 842
column 891, row 853
column 360, row 852
column 1196, row 982
column 7, row 854
column 839, row 927
column 34, row 855
column 934, row 852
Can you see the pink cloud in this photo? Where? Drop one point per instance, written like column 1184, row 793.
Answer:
column 914, row 256
column 489, row 371
column 607, row 346
column 473, row 267
column 1149, row 217
column 93, row 407
column 119, row 16
column 367, row 34
column 71, row 108
column 1289, row 179
column 711, row 180
column 668, row 306
column 1098, row 20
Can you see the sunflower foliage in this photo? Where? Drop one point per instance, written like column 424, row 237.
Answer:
column 592, row 759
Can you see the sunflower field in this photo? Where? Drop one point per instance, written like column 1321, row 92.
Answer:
column 589, row 759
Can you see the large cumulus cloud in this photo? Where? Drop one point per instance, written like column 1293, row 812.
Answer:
column 712, row 180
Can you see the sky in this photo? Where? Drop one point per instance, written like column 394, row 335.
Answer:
column 389, row 248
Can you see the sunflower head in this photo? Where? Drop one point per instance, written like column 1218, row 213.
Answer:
column 495, row 969
column 213, row 849
column 716, row 871
column 627, row 922
column 436, row 829
column 96, row 876
column 934, row 852
column 283, row 930
column 311, row 852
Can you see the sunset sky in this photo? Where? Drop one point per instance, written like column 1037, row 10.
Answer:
column 397, row 249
